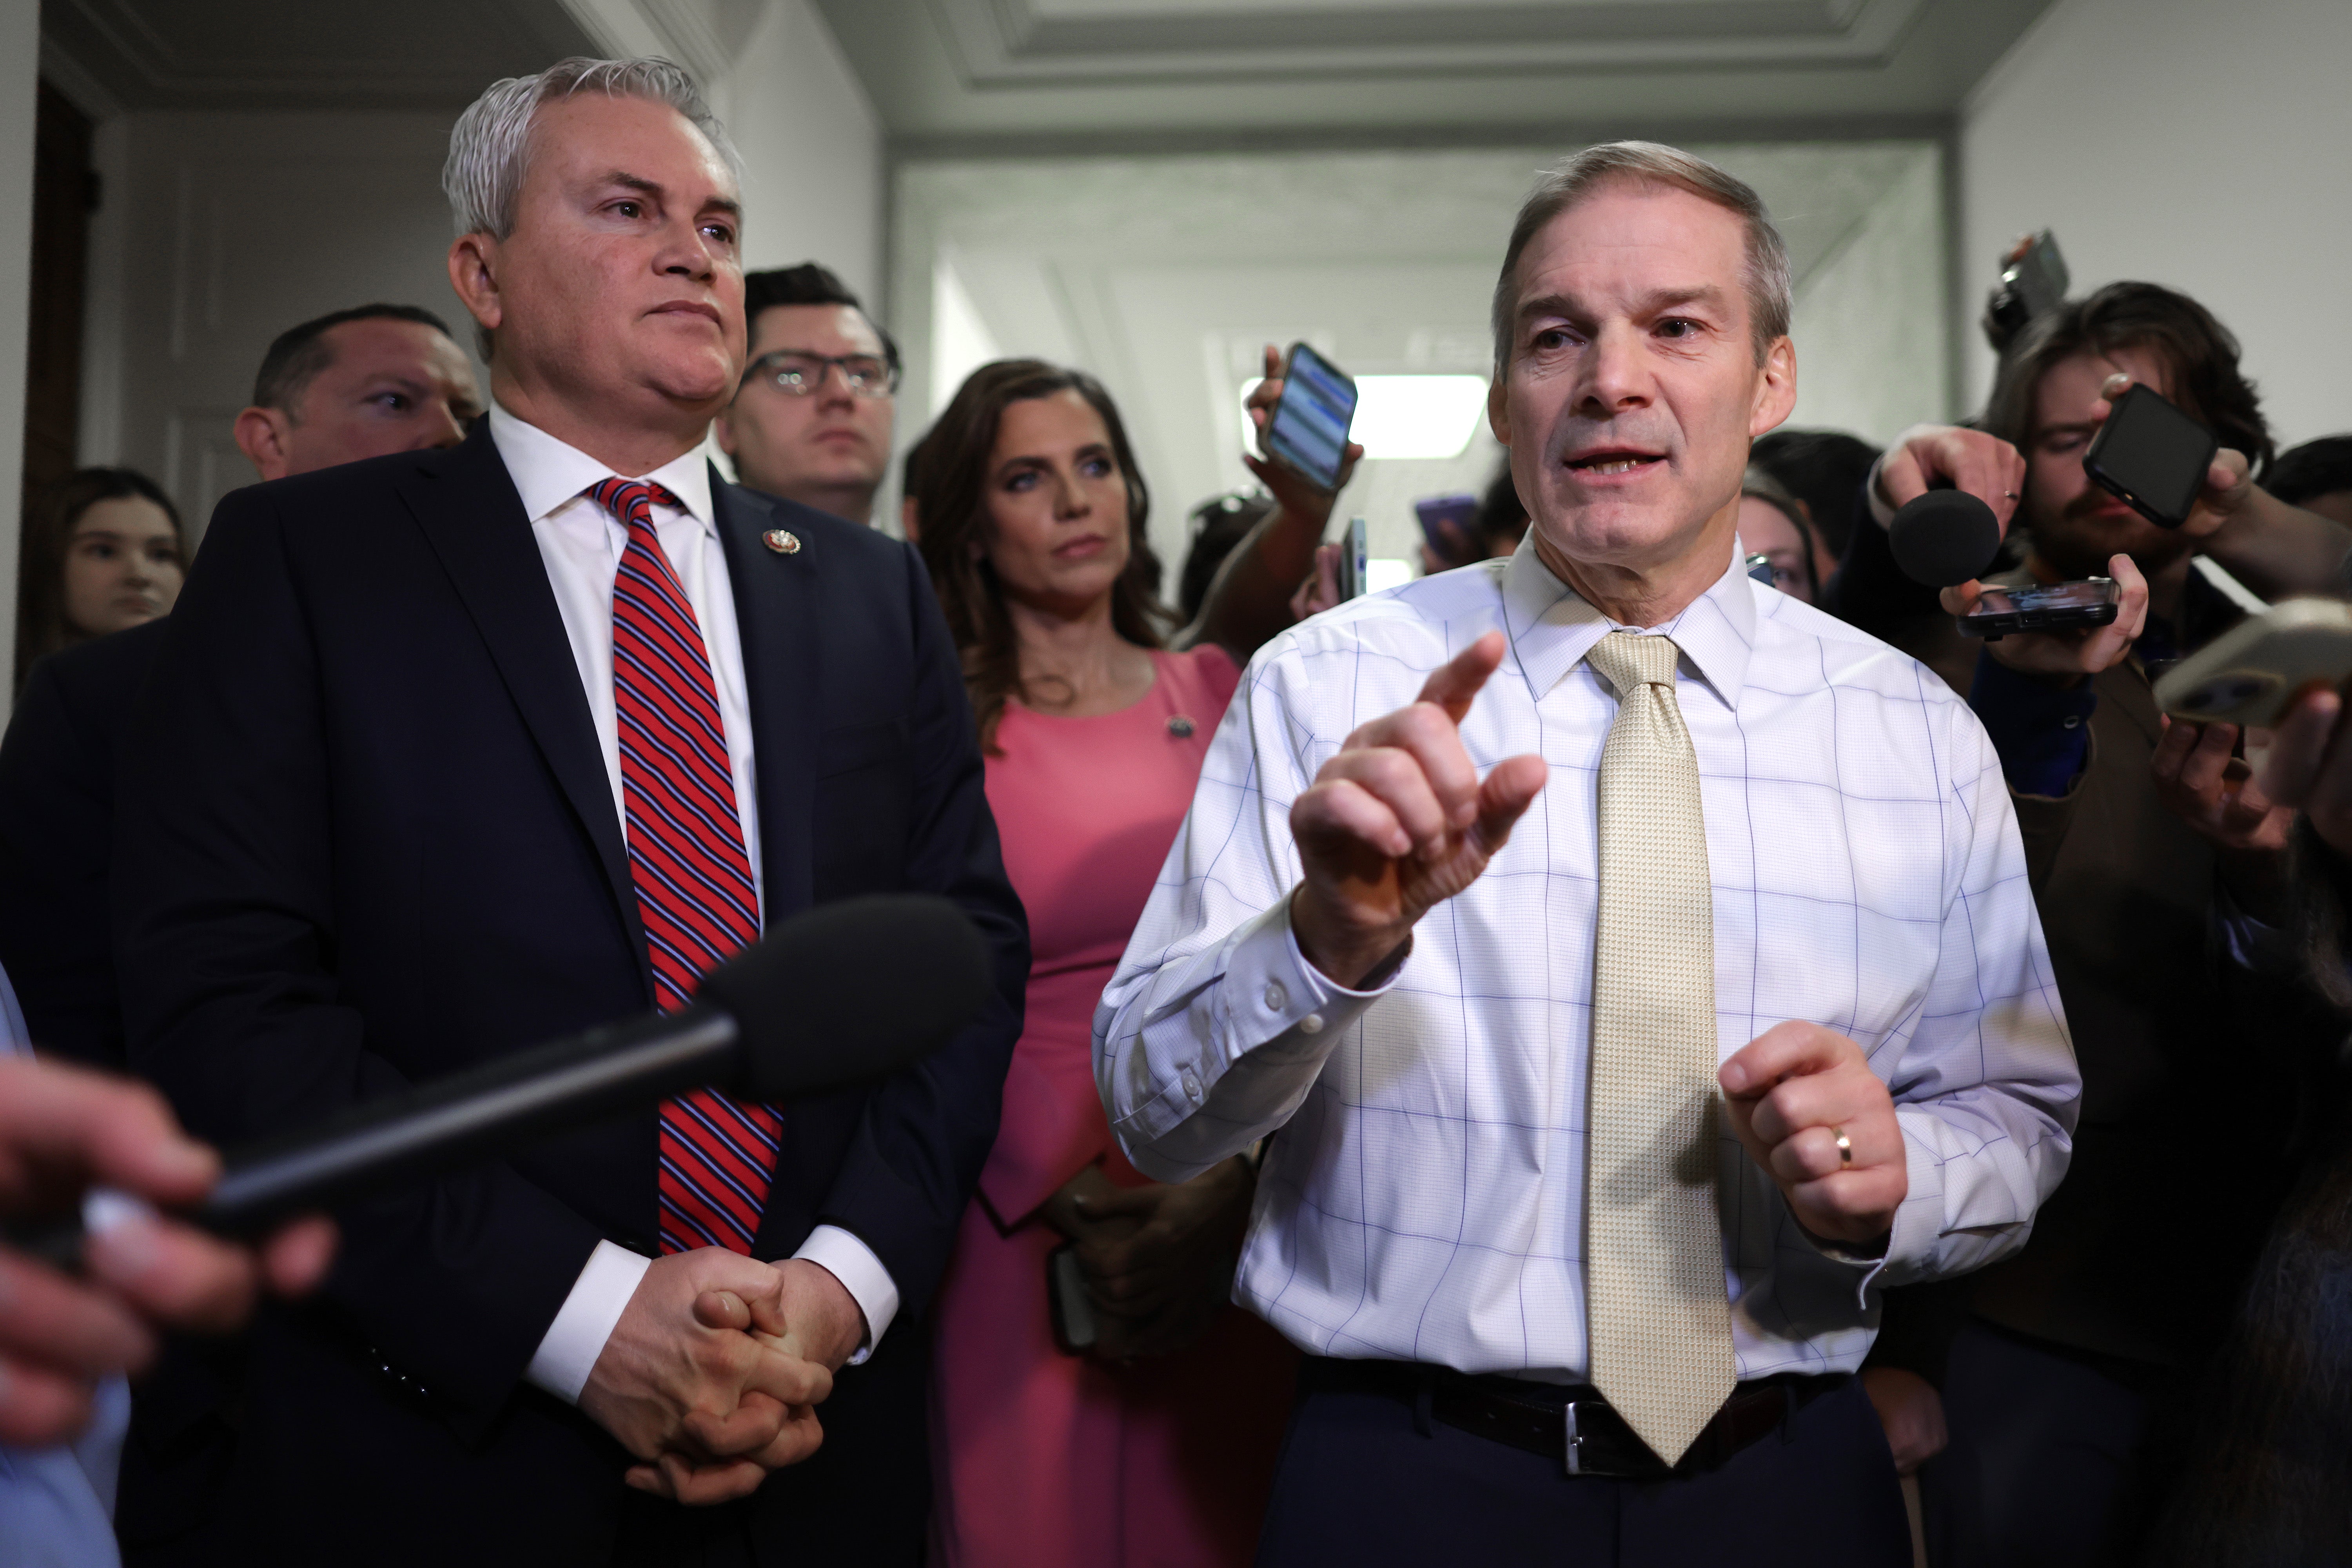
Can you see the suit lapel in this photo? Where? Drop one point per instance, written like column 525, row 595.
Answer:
column 776, row 599
column 473, row 518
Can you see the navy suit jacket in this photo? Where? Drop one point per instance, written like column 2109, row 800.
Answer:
column 367, row 838
column 57, row 840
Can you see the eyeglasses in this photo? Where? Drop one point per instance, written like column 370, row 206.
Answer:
column 799, row 374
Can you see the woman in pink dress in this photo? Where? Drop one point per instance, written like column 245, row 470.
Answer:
column 1156, row 1447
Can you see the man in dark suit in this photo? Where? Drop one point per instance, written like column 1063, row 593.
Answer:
column 456, row 752
column 361, row 382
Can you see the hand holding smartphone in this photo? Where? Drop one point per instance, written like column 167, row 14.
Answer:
column 2250, row 674
column 1308, row 432
column 2152, row 456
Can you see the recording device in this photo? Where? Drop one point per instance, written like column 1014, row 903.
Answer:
column 2093, row 602
column 1943, row 538
column 842, row 993
column 2151, row 457
column 1355, row 561
column 1075, row 1329
column 2251, row 673
column 1448, row 525
column 2034, row 281
column 1309, row 430
column 1759, row 569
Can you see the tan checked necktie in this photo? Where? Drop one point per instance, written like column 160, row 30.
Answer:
column 1661, row 1330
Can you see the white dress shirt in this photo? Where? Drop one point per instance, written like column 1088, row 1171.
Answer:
column 1424, row 1199
column 582, row 543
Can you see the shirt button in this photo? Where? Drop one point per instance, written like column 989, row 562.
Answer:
column 1311, row 1024
column 1191, row 1086
column 1277, row 998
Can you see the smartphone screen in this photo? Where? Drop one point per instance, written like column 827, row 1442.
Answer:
column 2090, row 603
column 1355, row 564
column 1446, row 524
column 1309, row 427
column 2152, row 456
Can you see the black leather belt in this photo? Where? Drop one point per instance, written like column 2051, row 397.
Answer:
column 1571, row 1424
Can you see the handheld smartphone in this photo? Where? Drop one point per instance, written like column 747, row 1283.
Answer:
column 2151, row 457
column 1446, row 524
column 1760, row 569
column 2033, row 279
column 2090, row 603
column 1355, row 561
column 2252, row 673
column 1067, row 1302
column 1309, row 430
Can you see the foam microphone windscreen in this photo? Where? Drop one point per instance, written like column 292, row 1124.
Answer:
column 1944, row 537
column 851, row 990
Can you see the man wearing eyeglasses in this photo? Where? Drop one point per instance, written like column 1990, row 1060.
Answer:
column 811, row 420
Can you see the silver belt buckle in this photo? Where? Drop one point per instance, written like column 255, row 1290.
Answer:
column 1575, row 1439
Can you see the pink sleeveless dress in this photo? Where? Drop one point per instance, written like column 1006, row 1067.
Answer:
column 1046, row 1461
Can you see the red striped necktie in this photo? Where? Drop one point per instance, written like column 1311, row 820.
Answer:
column 693, row 878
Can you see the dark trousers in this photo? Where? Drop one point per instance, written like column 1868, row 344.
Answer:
column 1366, row 1481
column 2043, row 1441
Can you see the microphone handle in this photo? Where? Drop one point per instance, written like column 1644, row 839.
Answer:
column 442, row 1125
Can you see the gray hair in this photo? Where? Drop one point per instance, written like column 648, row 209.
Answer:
column 1651, row 163
column 491, row 143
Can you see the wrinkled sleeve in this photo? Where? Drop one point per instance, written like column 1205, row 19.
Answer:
column 1986, row 1088
column 1215, row 1026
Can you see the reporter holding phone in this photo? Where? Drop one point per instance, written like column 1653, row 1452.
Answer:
column 2145, row 840
column 1632, row 968
column 1155, row 1445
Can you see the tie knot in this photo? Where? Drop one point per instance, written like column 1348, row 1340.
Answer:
column 1627, row 659
column 631, row 500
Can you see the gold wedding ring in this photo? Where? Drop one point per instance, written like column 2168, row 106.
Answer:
column 1845, row 1149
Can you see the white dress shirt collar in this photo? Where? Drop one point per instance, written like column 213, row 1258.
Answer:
column 1552, row 626
column 548, row 472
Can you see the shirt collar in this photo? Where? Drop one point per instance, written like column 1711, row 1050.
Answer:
column 548, row 472
column 1552, row 626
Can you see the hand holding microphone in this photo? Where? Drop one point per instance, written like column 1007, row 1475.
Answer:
column 62, row 1129
column 1956, row 492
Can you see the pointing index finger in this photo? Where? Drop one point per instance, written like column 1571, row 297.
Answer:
column 1455, row 683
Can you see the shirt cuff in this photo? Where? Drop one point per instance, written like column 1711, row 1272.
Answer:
column 861, row 1274
column 568, row 1353
column 2042, row 732
column 1279, row 1003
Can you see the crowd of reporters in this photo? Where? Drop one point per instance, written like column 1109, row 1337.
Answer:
column 2157, row 1375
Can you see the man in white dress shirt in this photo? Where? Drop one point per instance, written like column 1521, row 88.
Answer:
column 1631, row 970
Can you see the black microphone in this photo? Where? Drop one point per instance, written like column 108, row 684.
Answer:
column 1944, row 537
column 844, row 992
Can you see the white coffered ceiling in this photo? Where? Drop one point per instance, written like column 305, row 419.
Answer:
column 964, row 71
column 957, row 74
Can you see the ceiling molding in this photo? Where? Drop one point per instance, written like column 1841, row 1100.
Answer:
column 217, row 55
column 1001, row 44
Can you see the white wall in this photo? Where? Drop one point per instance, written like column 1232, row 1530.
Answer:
column 218, row 231
column 20, row 42
column 813, row 177
column 2201, row 145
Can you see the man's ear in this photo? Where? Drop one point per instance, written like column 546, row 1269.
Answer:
column 473, row 274
column 1498, row 407
column 266, row 437
column 1776, row 388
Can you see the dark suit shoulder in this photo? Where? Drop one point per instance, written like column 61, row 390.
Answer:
column 815, row 528
column 102, row 677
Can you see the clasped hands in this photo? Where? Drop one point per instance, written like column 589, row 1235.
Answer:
column 1400, row 820
column 712, row 1377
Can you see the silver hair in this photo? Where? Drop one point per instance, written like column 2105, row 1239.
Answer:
column 1652, row 164
column 491, row 144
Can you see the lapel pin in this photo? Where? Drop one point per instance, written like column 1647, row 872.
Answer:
column 780, row 541
column 1179, row 726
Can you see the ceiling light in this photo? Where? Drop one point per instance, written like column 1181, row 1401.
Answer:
column 1412, row 415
